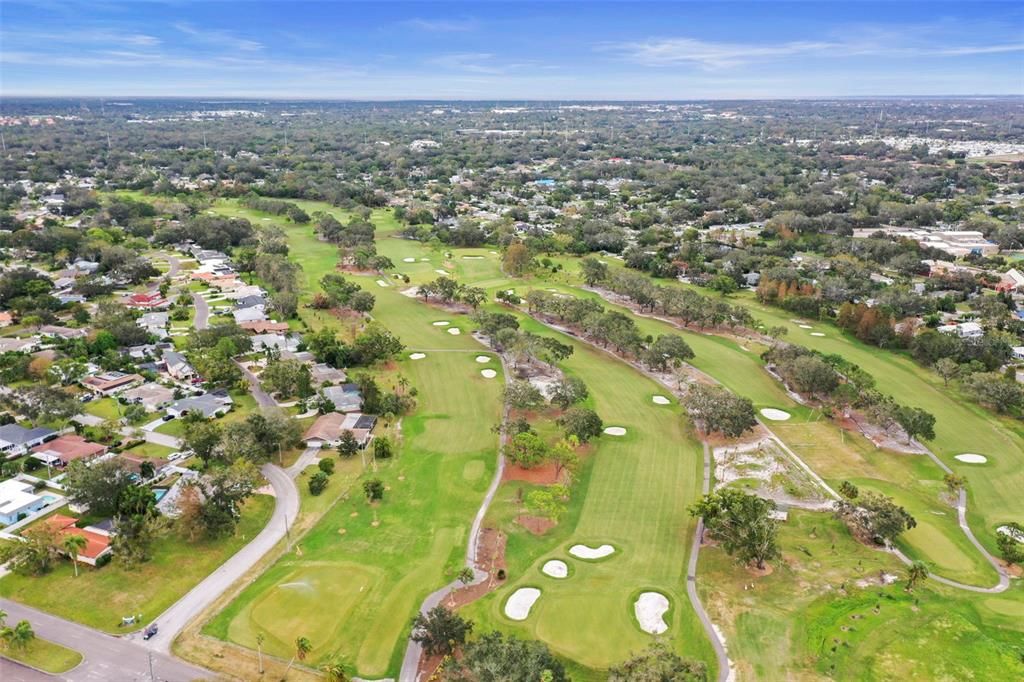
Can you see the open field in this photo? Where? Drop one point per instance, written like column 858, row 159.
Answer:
column 43, row 655
column 100, row 597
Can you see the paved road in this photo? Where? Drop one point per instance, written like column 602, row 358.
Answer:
column 173, row 266
column 263, row 398
column 107, row 658
column 202, row 312
column 173, row 620
column 414, row 650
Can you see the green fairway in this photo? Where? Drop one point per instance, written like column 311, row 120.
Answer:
column 100, row 597
column 391, row 555
column 43, row 655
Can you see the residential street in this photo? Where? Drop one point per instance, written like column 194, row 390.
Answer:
column 202, row 312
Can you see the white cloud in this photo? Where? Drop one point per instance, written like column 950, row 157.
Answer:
column 443, row 25
column 218, row 37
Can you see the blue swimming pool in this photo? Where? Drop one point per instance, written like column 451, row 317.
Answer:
column 49, row 499
column 159, row 493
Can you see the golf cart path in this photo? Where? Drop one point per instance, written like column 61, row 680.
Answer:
column 1004, row 578
column 286, row 508
column 413, row 650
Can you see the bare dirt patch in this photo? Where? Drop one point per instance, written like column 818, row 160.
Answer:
column 546, row 474
column 535, row 524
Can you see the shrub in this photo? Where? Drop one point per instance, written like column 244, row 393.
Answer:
column 326, row 466
column 318, row 483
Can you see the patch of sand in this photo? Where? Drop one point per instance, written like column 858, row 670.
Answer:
column 555, row 569
column 408, row 260
column 1012, row 532
column 587, row 552
column 417, row 356
column 817, row 334
column 661, row 400
column 483, row 359
column 441, row 272
column 775, row 415
column 454, row 331
column 615, row 431
column 441, row 323
column 522, row 600
column 970, row 458
column 488, row 373
column 382, row 283
column 806, row 326
column 650, row 609
column 472, row 258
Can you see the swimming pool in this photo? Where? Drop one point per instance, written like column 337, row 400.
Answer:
column 49, row 499
column 159, row 493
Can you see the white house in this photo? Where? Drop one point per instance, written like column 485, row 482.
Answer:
column 18, row 500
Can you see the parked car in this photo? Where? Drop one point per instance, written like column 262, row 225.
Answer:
column 150, row 632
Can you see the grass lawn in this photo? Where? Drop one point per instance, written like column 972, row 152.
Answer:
column 104, row 408
column 100, row 597
column 390, row 555
column 150, row 451
column 44, row 655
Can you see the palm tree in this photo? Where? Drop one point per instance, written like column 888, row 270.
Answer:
column 334, row 672
column 19, row 636
column 302, row 647
column 917, row 572
column 259, row 649
column 73, row 544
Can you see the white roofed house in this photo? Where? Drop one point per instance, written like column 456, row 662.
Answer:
column 178, row 367
column 253, row 314
column 279, row 341
column 208, row 405
column 154, row 323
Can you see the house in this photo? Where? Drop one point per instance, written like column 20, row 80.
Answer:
column 278, row 341
column 322, row 373
column 18, row 500
column 264, row 326
column 146, row 301
column 63, row 332
column 1018, row 352
column 110, row 383
column 16, row 439
column 154, row 323
column 151, row 396
column 346, row 397
column 1012, row 280
column 65, row 449
column 85, row 266
column 251, row 301
column 70, row 298
column 6, row 319
column 327, row 429
column 97, row 540
column 244, row 290
column 19, row 345
column 248, row 315
column 178, row 367
column 209, row 405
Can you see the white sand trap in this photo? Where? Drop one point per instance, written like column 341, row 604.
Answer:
column 555, row 569
column 661, row 400
column 441, row 323
column 1012, row 532
column 483, row 359
column 817, row 334
column 971, row 458
column 522, row 600
column 472, row 258
column 382, row 283
column 805, row 326
column 650, row 609
column 408, row 260
column 775, row 415
column 588, row 552
column 615, row 431
column 441, row 272
column 417, row 356
column 424, row 260
column 488, row 373
column 454, row 331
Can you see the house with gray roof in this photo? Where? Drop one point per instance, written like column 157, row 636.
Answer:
column 208, row 405
column 16, row 440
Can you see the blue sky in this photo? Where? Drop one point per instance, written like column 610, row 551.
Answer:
column 523, row 50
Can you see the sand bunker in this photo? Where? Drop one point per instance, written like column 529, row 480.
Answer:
column 522, row 600
column 971, row 458
column 441, row 323
column 382, row 283
column 454, row 331
column 472, row 258
column 408, row 260
column 488, row 373
column 817, row 334
column 805, row 326
column 483, row 358
column 1012, row 532
column 775, row 415
column 417, row 356
column 661, row 400
column 650, row 609
column 587, row 552
column 441, row 272
column 555, row 569
column 615, row 431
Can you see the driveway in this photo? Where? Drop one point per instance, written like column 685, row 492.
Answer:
column 173, row 620
column 107, row 657
column 202, row 312
column 263, row 398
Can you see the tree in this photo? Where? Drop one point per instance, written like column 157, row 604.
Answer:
column 916, row 572
column 203, row 437
column 362, row 301
column 848, row 490
column 260, row 638
column 223, row 492
column 348, row 445
column 318, row 483
column 523, row 395
column 302, row 649
column 440, row 631
column 326, row 466
column 581, row 422
column 19, row 636
column 334, row 671
column 373, row 489
column 516, row 260
column 35, row 555
column 382, row 448
column 549, row 502
column 658, row 664
column 954, row 483
column 742, row 523
column 916, row 422
column 1009, row 541
column 495, row 657
column 876, row 517
column 667, row 351
column 993, row 390
column 716, row 409
column 563, row 456
column 568, row 392
column 593, row 271
column 527, row 450
column 73, row 545
column 947, row 368
column 100, row 486
column 46, row 404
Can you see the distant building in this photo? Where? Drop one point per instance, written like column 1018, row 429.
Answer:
column 110, row 383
